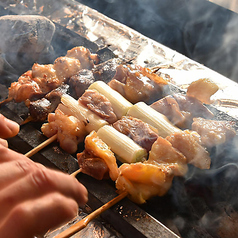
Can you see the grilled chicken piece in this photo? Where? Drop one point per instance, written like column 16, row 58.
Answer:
column 85, row 57
column 36, row 83
column 189, row 144
column 96, row 148
column 163, row 153
column 213, row 132
column 136, row 84
column 98, row 104
column 181, row 109
column 202, row 89
column 66, row 67
column 79, row 82
column 39, row 109
column 137, row 130
column 143, row 180
column 70, row 131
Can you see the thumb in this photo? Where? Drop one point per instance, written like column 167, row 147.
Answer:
column 8, row 128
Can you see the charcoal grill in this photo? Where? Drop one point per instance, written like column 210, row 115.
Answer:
column 190, row 200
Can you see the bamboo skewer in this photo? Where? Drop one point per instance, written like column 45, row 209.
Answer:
column 41, row 146
column 5, row 101
column 84, row 222
column 76, row 172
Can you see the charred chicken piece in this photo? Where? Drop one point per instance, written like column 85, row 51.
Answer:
column 97, row 150
column 79, row 82
column 181, row 109
column 70, row 131
column 136, row 84
column 39, row 109
column 98, row 104
column 106, row 70
column 213, row 132
column 137, row 130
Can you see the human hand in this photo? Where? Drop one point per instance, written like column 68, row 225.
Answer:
column 34, row 198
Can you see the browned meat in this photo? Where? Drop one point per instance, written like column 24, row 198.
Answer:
column 80, row 82
column 202, row 89
column 106, row 70
column 137, row 84
column 85, row 57
column 169, row 107
column 40, row 108
column 93, row 166
column 99, row 104
column 181, row 109
column 163, row 153
column 188, row 143
column 213, row 132
column 137, row 130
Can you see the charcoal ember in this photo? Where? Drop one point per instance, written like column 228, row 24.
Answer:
column 25, row 39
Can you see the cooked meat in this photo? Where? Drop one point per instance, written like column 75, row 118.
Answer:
column 163, row 153
column 189, row 144
column 80, row 82
column 96, row 148
column 35, row 83
column 98, row 104
column 169, row 107
column 85, row 57
column 25, row 88
column 137, row 84
column 143, row 181
column 93, row 166
column 66, row 67
column 181, row 109
column 202, row 89
column 137, row 130
column 106, row 70
column 70, row 131
column 213, row 132
column 40, row 108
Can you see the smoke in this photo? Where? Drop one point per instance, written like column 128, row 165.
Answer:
column 201, row 30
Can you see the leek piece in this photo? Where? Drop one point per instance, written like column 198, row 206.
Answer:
column 126, row 149
column 120, row 105
column 149, row 115
column 72, row 107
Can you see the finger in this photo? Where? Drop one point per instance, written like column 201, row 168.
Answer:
column 14, row 170
column 39, row 183
column 36, row 217
column 3, row 142
column 10, row 155
column 8, row 128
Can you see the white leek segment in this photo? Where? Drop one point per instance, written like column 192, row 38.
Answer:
column 120, row 105
column 126, row 149
column 72, row 107
column 147, row 114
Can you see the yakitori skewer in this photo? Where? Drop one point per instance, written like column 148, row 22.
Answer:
column 41, row 146
column 84, row 222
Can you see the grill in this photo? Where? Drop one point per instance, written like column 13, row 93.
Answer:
column 195, row 204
